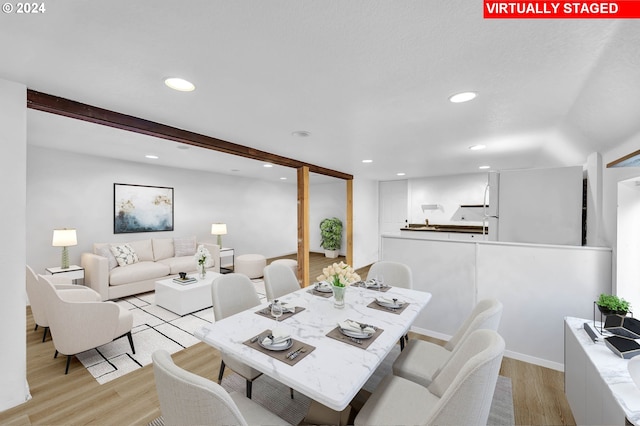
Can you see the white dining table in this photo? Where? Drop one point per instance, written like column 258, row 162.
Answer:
column 335, row 371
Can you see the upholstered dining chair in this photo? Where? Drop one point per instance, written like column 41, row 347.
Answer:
column 395, row 274
column 279, row 280
column 79, row 325
column 188, row 399
column 421, row 360
column 460, row 394
column 71, row 291
column 233, row 293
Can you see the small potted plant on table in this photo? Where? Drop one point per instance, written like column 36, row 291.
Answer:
column 609, row 304
column 331, row 236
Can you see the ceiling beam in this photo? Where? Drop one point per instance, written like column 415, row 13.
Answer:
column 73, row 109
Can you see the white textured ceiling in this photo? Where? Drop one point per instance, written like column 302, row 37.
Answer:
column 368, row 78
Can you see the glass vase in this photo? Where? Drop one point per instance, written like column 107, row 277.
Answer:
column 203, row 271
column 338, row 296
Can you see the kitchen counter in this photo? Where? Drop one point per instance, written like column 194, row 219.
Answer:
column 464, row 229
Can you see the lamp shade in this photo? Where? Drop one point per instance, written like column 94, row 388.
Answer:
column 219, row 229
column 64, row 238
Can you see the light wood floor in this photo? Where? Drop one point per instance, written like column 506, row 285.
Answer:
column 77, row 399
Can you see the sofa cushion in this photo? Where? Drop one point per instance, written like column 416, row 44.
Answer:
column 180, row 264
column 184, row 246
column 124, row 254
column 138, row 272
column 162, row 248
column 143, row 249
column 105, row 251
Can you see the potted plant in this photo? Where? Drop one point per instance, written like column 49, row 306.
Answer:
column 612, row 305
column 331, row 236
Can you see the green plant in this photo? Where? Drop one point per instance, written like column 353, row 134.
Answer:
column 613, row 303
column 331, row 233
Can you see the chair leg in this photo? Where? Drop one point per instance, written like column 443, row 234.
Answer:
column 131, row 342
column 249, row 386
column 44, row 336
column 402, row 343
column 68, row 362
column 221, row 372
column 56, row 354
column 291, row 392
column 36, row 329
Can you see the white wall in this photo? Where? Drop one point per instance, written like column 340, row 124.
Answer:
column 76, row 191
column 449, row 192
column 365, row 222
column 14, row 389
column 628, row 272
column 327, row 200
column 537, row 284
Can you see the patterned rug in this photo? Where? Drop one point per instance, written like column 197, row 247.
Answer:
column 153, row 328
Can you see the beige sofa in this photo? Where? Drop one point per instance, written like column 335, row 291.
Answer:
column 157, row 258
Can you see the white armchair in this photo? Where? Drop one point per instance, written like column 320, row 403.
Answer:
column 71, row 291
column 279, row 280
column 79, row 325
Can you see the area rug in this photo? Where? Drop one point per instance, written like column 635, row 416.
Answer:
column 153, row 328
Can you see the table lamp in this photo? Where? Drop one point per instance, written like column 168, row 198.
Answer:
column 64, row 238
column 219, row 229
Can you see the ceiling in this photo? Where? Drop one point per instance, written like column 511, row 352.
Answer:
column 368, row 79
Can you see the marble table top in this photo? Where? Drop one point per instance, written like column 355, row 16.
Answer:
column 335, row 371
column 612, row 368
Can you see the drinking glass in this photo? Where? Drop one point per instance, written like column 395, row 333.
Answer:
column 276, row 310
column 380, row 280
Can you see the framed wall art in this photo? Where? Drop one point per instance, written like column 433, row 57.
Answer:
column 141, row 208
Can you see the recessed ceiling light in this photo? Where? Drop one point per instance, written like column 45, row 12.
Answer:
column 367, row 161
column 183, row 146
column 462, row 97
column 400, row 174
column 283, row 178
column 179, row 84
column 267, row 165
column 484, row 167
column 477, row 147
column 152, row 157
column 301, row 133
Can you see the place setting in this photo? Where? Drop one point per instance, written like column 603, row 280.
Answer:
column 322, row 289
column 280, row 345
column 280, row 310
column 355, row 333
column 388, row 304
column 376, row 284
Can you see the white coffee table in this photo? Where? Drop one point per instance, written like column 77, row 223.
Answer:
column 185, row 299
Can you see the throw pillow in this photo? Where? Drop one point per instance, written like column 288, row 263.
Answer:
column 124, row 254
column 106, row 252
column 184, row 246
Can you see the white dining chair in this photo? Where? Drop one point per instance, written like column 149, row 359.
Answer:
column 233, row 293
column 279, row 280
column 188, row 399
column 395, row 274
column 421, row 360
column 461, row 394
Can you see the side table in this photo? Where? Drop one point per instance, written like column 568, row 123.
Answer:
column 73, row 272
column 228, row 267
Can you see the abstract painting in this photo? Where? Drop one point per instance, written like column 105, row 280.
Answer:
column 140, row 208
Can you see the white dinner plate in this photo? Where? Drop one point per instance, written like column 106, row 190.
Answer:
column 283, row 346
column 397, row 305
column 355, row 334
column 323, row 289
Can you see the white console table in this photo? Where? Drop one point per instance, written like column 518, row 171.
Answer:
column 596, row 381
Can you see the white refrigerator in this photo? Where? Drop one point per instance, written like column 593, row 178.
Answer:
column 541, row 206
